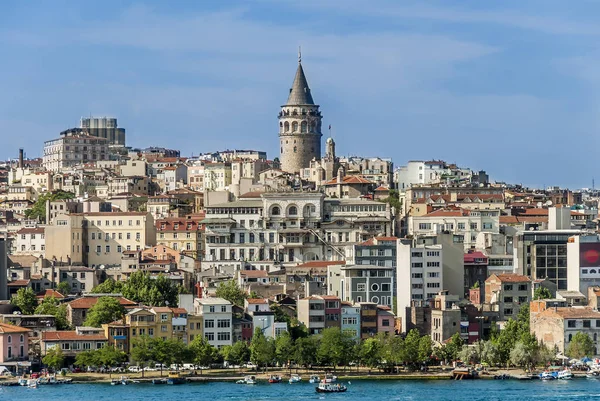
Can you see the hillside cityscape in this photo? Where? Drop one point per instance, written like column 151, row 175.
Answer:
column 236, row 256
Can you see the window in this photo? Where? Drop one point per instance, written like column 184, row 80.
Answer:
column 163, row 328
column 487, row 226
column 223, row 323
column 417, row 265
column 119, row 248
column 424, row 226
column 433, row 264
column 522, row 287
column 224, row 336
column 473, row 226
column 151, row 332
column 587, row 324
column 433, row 253
column 417, row 275
column 360, row 287
column 433, row 274
column 461, row 226
column 508, row 299
column 9, row 339
column 417, row 254
column 209, row 324
column 385, row 287
column 107, row 248
column 508, row 311
column 508, row 287
column 223, row 308
column 385, row 322
column 433, row 285
column 98, row 248
column 211, row 309
column 209, row 336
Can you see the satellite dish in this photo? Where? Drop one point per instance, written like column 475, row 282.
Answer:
column 539, row 204
column 549, row 203
column 102, row 267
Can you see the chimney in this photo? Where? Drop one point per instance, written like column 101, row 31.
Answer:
column 20, row 157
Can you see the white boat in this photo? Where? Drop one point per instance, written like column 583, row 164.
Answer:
column 330, row 388
column 593, row 374
column 329, row 378
column 565, row 374
column 32, row 383
column 314, row 379
column 22, row 382
column 247, row 380
column 295, row 379
column 548, row 376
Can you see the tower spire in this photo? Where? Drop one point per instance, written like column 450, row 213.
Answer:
column 299, row 54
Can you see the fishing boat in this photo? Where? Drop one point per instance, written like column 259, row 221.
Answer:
column 32, row 383
column 275, row 379
column 175, row 378
column 295, row 379
column 159, row 381
column 546, row 376
column 314, row 379
column 247, row 380
column 324, row 387
column 565, row 374
column 329, row 378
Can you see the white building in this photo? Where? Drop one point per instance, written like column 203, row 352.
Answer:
column 217, row 317
column 31, row 241
column 71, row 149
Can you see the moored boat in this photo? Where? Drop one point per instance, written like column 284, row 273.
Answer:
column 565, row 374
column 546, row 376
column 32, row 383
column 247, row 380
column 314, row 379
column 275, row 379
column 329, row 378
column 175, row 378
column 159, row 381
column 330, row 388
column 295, row 379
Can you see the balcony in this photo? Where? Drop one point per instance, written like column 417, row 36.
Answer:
column 368, row 312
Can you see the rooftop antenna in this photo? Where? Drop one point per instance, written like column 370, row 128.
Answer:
column 299, row 54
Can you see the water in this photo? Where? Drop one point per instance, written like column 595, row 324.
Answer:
column 438, row 390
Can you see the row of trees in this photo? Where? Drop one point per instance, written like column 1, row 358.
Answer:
column 142, row 287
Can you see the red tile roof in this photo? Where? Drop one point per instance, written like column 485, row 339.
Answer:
column 11, row 328
column 88, row 302
column 51, row 336
column 511, row 278
column 18, row 283
column 37, row 230
column 252, row 194
column 449, row 212
column 470, row 257
column 50, row 293
column 522, row 219
column 257, row 301
column 349, row 180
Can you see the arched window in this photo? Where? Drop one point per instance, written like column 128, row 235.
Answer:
column 286, row 127
column 295, row 149
column 295, row 126
column 22, row 338
column 280, row 126
column 292, row 211
column 9, row 339
column 304, row 127
column 275, row 211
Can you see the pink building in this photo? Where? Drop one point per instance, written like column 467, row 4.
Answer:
column 385, row 320
column 13, row 344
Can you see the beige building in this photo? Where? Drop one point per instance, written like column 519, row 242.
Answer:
column 557, row 326
column 311, row 313
column 507, row 293
column 217, row 176
column 445, row 317
column 181, row 234
column 72, row 148
column 95, row 239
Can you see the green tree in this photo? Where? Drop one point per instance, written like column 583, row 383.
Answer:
column 425, row 348
column 453, row 347
column 168, row 352
column 306, row 350
column 523, row 320
column 203, row 354
column 141, row 351
column 542, row 293
column 240, row 352
column 469, row 354
column 506, row 340
column 110, row 356
column 262, row 351
column 141, row 287
column 106, row 310
column 580, row 345
column 64, row 288
column 524, row 355
column 370, row 352
column 25, row 300
column 394, row 200
column 411, row 347
column 284, row 348
column 230, row 291
column 38, row 210
column 109, row 286
column 490, row 353
column 51, row 306
column 333, row 348
column 54, row 358
column 87, row 358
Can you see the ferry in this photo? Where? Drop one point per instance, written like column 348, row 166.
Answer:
column 330, row 388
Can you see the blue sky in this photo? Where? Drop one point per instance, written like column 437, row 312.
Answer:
column 509, row 87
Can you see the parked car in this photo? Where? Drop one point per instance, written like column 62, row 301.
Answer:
column 250, row 365
column 134, row 369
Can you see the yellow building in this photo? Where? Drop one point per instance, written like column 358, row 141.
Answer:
column 165, row 323
column 181, row 234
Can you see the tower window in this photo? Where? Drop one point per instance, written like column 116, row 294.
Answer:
column 281, row 150
column 286, row 127
column 304, row 127
column 295, row 126
column 294, row 149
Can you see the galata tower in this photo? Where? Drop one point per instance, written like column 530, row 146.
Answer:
column 299, row 126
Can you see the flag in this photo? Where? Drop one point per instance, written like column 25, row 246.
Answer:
column 330, row 126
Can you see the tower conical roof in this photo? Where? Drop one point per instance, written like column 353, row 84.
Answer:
column 300, row 92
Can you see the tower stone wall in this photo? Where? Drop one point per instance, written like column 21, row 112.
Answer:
column 299, row 127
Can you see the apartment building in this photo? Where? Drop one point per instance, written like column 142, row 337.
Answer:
column 557, row 326
column 95, row 239
column 364, row 283
column 445, row 317
column 507, row 293
column 311, row 313
column 181, row 234
column 217, row 316
column 263, row 317
column 30, row 241
column 217, row 176
column 351, row 319
column 368, row 319
column 377, row 251
column 72, row 148
column 73, row 342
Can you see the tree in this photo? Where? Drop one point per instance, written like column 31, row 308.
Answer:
column 411, row 347
column 240, row 353
column 333, row 348
column 64, row 288
column 524, row 355
column 106, row 310
column 306, row 351
column 38, row 210
column 141, row 351
column 25, row 300
column 580, row 345
column 109, row 286
column 54, row 358
column 141, row 287
column 370, row 352
column 262, row 350
column 87, row 358
column 468, row 354
column 110, row 356
column 51, row 306
column 203, row 354
column 168, row 352
column 425, row 350
column 542, row 293
column 453, row 347
column 490, row 353
column 284, row 348
column 230, row 291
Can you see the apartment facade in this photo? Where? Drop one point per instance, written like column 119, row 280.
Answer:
column 351, row 320
column 557, row 326
column 363, row 283
column 217, row 316
column 181, row 234
column 508, row 293
column 71, row 149
column 311, row 313
column 30, row 241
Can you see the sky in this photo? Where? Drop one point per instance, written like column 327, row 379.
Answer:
column 507, row 87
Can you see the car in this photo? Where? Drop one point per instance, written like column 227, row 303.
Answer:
column 134, row 369
column 76, row 370
column 250, row 365
column 188, row 366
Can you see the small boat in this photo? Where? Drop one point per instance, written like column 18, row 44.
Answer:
column 295, row 379
column 275, row 379
column 502, row 377
column 247, row 380
column 175, row 378
column 114, row 382
column 32, row 383
column 314, row 379
column 159, row 381
column 330, row 387
column 22, row 382
column 565, row 374
column 546, row 376
column 329, row 378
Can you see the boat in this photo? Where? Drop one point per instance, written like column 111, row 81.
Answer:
column 324, row 387
column 546, row 376
column 295, row 379
column 247, row 380
column 159, row 381
column 565, row 374
column 275, row 379
column 32, row 383
column 22, row 382
column 593, row 374
column 329, row 378
column 314, row 379
column 175, row 378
